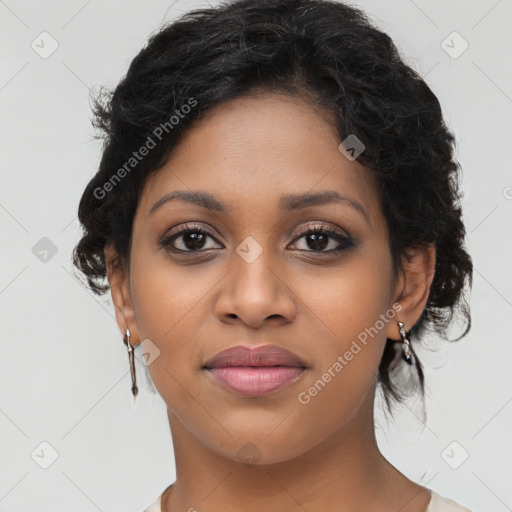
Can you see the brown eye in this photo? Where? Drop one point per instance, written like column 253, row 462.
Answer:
column 322, row 240
column 189, row 239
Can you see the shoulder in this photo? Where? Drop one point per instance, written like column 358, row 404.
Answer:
column 155, row 506
column 440, row 504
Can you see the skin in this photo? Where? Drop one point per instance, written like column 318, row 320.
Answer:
column 320, row 456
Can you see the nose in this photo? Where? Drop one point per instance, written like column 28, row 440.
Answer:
column 255, row 294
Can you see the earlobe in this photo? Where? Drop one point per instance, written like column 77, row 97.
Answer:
column 414, row 287
column 121, row 298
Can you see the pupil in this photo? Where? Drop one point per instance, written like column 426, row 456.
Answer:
column 318, row 241
column 193, row 240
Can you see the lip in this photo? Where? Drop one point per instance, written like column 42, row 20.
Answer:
column 255, row 371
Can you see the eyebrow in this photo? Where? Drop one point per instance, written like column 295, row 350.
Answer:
column 290, row 202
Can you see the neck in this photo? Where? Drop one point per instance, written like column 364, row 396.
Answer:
column 346, row 469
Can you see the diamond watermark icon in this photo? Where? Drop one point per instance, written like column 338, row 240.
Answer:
column 149, row 352
column 249, row 454
column 44, row 455
column 454, row 45
column 352, row 147
column 44, row 249
column 249, row 249
column 44, row 45
column 454, row 455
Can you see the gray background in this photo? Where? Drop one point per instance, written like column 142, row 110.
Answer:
column 63, row 367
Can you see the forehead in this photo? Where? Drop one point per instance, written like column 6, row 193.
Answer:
column 253, row 150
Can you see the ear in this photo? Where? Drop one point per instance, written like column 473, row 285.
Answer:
column 119, row 282
column 413, row 288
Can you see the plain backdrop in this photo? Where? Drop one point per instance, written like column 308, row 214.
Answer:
column 65, row 397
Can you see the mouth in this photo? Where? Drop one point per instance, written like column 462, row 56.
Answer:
column 255, row 371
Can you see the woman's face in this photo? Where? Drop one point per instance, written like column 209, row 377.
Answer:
column 271, row 168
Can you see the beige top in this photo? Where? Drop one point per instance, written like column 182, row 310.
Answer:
column 437, row 504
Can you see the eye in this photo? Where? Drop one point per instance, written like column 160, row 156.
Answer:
column 323, row 240
column 189, row 238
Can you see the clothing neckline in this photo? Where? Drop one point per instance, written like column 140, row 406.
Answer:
column 158, row 504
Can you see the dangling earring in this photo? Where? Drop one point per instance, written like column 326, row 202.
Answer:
column 406, row 345
column 126, row 340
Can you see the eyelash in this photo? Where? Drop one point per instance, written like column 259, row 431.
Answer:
column 345, row 242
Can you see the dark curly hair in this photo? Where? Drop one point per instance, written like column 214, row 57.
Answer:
column 325, row 52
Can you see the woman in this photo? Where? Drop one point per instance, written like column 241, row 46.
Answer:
column 277, row 213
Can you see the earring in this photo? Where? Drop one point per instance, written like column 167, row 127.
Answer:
column 406, row 345
column 126, row 340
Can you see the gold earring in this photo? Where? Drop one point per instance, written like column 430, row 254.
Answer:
column 126, row 340
column 406, row 345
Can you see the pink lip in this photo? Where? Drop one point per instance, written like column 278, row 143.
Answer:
column 255, row 380
column 255, row 371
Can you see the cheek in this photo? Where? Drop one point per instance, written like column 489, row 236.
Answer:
column 344, row 373
column 165, row 294
column 350, row 299
column 351, row 311
column 170, row 304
